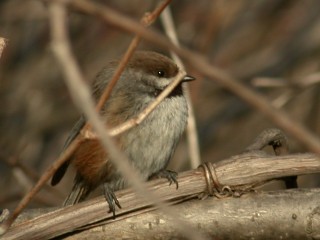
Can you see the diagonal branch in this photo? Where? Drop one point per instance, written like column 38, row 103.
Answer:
column 198, row 62
column 146, row 20
column 82, row 98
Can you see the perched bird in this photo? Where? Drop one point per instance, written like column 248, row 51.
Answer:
column 149, row 146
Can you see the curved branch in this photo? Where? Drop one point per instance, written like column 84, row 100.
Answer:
column 202, row 65
column 240, row 173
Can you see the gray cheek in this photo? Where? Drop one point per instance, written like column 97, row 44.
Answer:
column 162, row 83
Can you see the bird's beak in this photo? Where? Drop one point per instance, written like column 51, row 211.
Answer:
column 188, row 78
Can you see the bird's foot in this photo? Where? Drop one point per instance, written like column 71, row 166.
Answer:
column 168, row 174
column 111, row 199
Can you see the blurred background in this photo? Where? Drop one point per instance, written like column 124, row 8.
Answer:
column 272, row 46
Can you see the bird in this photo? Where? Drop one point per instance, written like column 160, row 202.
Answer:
column 149, row 146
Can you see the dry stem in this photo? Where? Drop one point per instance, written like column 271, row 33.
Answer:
column 193, row 143
column 256, row 100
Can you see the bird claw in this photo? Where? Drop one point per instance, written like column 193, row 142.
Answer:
column 111, row 199
column 170, row 175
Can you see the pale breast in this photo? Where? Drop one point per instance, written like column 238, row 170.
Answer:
column 151, row 144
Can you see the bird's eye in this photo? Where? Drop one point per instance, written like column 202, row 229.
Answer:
column 160, row 73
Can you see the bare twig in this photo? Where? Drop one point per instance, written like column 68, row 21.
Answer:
column 302, row 82
column 3, row 43
column 86, row 133
column 290, row 87
column 142, row 115
column 268, row 82
column 256, row 100
column 193, row 143
column 82, row 98
column 147, row 20
column 28, row 173
column 4, row 214
column 137, row 120
column 65, row 56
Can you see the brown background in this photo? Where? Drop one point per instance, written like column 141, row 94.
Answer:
column 248, row 39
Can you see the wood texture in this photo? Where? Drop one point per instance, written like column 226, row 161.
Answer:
column 240, row 173
column 290, row 214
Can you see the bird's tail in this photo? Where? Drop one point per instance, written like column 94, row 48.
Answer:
column 79, row 192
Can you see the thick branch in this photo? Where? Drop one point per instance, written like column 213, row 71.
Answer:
column 240, row 172
column 291, row 214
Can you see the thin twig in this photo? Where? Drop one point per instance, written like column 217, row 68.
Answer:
column 31, row 174
column 3, row 43
column 256, row 100
column 141, row 116
column 193, row 143
column 82, row 97
column 147, row 20
column 301, row 82
column 291, row 87
column 42, row 181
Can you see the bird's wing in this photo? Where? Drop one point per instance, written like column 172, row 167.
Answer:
column 73, row 134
